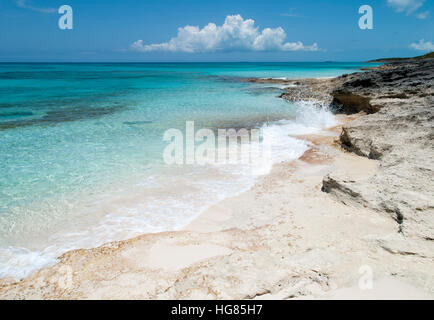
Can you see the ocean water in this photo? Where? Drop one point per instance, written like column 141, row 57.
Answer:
column 81, row 147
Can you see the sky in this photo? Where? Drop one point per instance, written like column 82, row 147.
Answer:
column 219, row 30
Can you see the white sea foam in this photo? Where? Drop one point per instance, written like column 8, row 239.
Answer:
column 277, row 78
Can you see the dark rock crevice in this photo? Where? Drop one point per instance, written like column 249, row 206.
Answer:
column 350, row 103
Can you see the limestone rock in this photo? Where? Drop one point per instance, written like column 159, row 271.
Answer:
column 399, row 132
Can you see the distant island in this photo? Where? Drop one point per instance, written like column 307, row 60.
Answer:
column 425, row 56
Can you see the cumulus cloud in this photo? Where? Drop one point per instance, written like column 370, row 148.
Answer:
column 422, row 45
column 235, row 34
column 27, row 5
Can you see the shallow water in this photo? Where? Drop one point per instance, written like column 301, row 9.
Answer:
column 81, row 147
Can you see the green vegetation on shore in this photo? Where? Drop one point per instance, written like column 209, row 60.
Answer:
column 425, row 56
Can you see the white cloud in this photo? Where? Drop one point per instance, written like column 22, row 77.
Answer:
column 407, row 6
column 422, row 15
column 422, row 45
column 235, row 34
column 26, row 5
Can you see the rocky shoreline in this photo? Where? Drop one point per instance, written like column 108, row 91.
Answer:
column 400, row 134
column 396, row 101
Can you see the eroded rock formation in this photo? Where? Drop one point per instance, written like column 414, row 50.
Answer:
column 398, row 130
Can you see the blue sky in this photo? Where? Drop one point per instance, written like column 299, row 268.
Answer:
column 298, row 30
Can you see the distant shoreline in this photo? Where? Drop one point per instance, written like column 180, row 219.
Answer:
column 391, row 60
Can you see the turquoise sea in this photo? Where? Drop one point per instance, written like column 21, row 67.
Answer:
column 81, row 147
